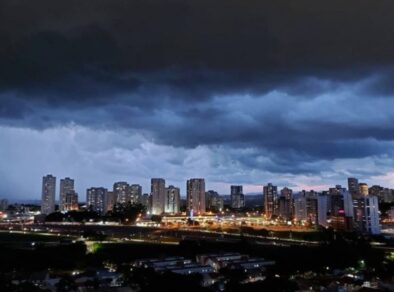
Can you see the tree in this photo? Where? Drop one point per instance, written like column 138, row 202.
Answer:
column 55, row 217
column 126, row 213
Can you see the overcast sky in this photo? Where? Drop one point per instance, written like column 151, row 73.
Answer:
column 297, row 93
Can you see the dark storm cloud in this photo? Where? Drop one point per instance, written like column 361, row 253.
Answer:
column 199, row 72
column 93, row 48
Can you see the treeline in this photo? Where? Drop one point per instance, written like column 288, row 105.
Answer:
column 122, row 213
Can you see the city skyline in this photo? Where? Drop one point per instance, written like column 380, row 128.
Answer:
column 251, row 189
column 349, row 209
column 128, row 188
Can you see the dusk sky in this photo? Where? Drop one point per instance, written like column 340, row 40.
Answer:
column 297, row 93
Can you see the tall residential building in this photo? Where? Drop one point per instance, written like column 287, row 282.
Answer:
column 284, row 208
column 341, row 202
column 367, row 214
column 286, row 205
column 375, row 190
column 3, row 204
column 70, row 202
column 371, row 215
column 48, row 194
column 158, row 190
column 237, row 197
column 287, row 193
column 135, row 192
column 341, row 209
column 300, row 209
column 66, row 187
column 213, row 201
column 172, row 200
column 96, row 199
column 306, row 207
column 146, row 201
column 271, row 203
column 322, row 210
column 388, row 195
column 195, row 196
column 121, row 192
column 111, row 201
column 348, row 204
column 353, row 186
column 363, row 189
column 312, row 210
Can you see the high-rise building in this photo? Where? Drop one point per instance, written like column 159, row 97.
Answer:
column 3, row 204
column 363, row 189
column 367, row 214
column 353, row 186
column 322, row 210
column 286, row 206
column 388, row 195
column 96, row 199
column 70, row 202
column 341, row 209
column 135, row 192
column 375, row 190
column 122, row 192
column 213, row 201
column 172, row 200
column 271, row 203
column 287, row 193
column 111, row 201
column 146, row 201
column 237, row 197
column 195, row 196
column 158, row 190
column 312, row 210
column 341, row 202
column 48, row 194
column 348, row 204
column 306, row 207
column 300, row 210
column 66, row 187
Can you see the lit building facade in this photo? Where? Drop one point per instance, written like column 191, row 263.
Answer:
column 195, row 196
column 311, row 210
column 96, row 199
column 363, row 189
column 353, row 186
column 286, row 206
column 322, row 210
column 111, row 201
column 66, row 187
column 340, row 209
column 172, row 200
column 158, row 191
column 306, row 208
column 271, row 203
column 367, row 214
column 48, row 194
column 237, row 197
column 121, row 192
column 300, row 210
column 135, row 192
column 70, row 202
column 213, row 201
